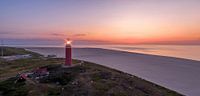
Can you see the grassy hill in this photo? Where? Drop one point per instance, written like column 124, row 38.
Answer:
column 86, row 79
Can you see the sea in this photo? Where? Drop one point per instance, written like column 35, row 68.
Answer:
column 180, row 51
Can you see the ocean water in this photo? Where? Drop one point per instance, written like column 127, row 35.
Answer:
column 180, row 51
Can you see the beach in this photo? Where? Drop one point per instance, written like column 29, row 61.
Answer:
column 181, row 75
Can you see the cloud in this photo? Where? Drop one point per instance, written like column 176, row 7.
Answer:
column 79, row 35
column 57, row 34
column 198, row 38
column 9, row 32
column 91, row 42
column 6, row 32
column 2, row 33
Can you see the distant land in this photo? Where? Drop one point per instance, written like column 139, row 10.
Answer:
column 84, row 79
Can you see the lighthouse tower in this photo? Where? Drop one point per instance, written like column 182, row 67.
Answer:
column 68, row 53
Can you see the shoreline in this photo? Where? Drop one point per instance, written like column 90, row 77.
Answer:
column 177, row 74
column 122, row 50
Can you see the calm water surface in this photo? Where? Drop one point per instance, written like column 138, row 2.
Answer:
column 188, row 52
column 180, row 51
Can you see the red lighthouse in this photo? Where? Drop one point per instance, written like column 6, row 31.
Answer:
column 68, row 53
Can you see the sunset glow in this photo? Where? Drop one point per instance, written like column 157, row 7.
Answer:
column 108, row 21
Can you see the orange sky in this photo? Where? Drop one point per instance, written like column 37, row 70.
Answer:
column 113, row 21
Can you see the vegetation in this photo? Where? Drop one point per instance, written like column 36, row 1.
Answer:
column 7, row 51
column 10, row 88
column 87, row 79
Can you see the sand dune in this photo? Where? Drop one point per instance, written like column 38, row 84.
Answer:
column 181, row 75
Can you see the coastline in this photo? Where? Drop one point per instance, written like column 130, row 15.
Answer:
column 176, row 74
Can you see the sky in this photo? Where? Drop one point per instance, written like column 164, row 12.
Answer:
column 100, row 21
